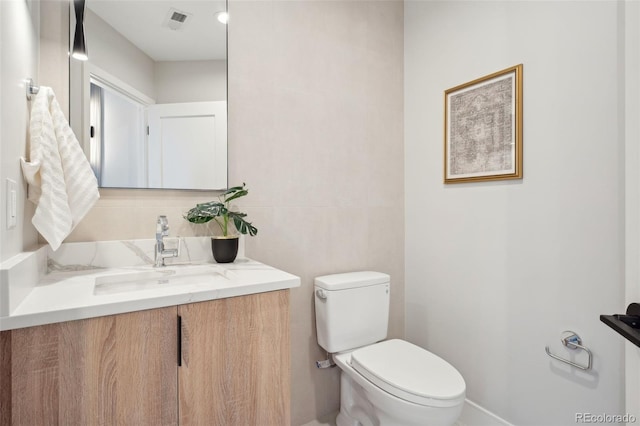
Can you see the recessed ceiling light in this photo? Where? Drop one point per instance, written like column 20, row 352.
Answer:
column 222, row 17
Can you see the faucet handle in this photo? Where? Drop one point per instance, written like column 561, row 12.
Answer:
column 162, row 225
column 173, row 252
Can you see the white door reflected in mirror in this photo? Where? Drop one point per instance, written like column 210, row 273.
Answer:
column 181, row 152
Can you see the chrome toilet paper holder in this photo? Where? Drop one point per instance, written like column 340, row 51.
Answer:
column 571, row 340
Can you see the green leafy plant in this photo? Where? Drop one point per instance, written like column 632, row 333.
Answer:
column 220, row 212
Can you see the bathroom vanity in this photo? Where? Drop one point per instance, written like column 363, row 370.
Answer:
column 202, row 344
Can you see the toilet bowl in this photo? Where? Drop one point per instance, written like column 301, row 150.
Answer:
column 383, row 382
column 395, row 383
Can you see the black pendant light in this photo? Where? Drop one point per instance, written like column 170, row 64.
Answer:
column 79, row 45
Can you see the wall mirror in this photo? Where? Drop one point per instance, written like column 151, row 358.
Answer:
column 149, row 106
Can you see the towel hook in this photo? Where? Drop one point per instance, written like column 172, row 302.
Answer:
column 31, row 88
column 571, row 340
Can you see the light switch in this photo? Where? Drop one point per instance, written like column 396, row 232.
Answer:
column 12, row 203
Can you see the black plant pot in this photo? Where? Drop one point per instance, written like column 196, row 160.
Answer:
column 225, row 249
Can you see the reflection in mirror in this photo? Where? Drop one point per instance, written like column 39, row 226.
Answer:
column 150, row 104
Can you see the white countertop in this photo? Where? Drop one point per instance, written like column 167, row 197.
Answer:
column 70, row 295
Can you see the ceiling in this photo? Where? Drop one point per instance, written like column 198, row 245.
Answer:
column 143, row 22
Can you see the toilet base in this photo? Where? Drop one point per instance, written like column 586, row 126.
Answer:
column 354, row 409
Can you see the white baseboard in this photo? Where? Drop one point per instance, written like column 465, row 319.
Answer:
column 475, row 415
column 472, row 415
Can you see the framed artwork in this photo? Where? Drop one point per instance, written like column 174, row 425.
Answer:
column 483, row 128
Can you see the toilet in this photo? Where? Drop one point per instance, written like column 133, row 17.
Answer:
column 382, row 383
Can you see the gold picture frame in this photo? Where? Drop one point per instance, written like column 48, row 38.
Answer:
column 483, row 128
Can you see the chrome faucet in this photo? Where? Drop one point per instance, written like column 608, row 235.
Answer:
column 162, row 230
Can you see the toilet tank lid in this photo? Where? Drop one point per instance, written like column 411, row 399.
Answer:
column 351, row 280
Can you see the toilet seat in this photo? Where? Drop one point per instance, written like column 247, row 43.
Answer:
column 410, row 373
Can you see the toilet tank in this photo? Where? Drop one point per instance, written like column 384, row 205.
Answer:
column 352, row 309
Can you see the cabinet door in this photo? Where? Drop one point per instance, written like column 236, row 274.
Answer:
column 114, row 370
column 235, row 361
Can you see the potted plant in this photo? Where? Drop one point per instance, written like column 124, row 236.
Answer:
column 225, row 246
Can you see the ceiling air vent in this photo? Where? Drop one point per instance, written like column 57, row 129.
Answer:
column 176, row 19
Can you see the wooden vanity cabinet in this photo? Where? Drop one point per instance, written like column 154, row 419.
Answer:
column 127, row 369
column 118, row 369
column 235, row 361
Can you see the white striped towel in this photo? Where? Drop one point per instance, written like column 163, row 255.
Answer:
column 61, row 182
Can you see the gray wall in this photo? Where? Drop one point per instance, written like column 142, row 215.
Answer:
column 19, row 46
column 315, row 108
column 113, row 53
column 190, row 81
column 496, row 271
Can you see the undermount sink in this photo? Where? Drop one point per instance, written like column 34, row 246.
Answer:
column 160, row 277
